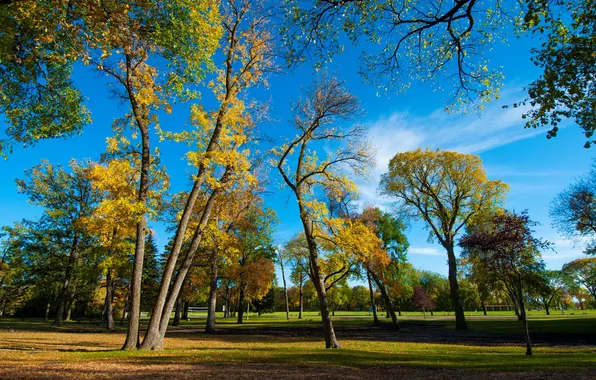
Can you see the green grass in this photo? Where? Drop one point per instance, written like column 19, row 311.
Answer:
column 34, row 342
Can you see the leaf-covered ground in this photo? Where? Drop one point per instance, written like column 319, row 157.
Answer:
column 268, row 347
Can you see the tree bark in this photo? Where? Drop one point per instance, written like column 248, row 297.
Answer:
column 67, row 278
column 283, row 276
column 524, row 319
column 386, row 299
column 301, row 296
column 228, row 303
column 372, row 298
column 158, row 324
column 240, row 304
column 185, row 311
column 48, row 305
column 109, row 315
column 140, row 117
column 125, row 308
column 317, row 278
column 483, row 307
column 177, row 312
column 460, row 317
column 210, row 326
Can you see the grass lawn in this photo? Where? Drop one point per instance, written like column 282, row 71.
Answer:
column 272, row 346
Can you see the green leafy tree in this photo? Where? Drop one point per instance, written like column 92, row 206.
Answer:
column 565, row 88
column 573, row 211
column 150, row 283
column 67, row 198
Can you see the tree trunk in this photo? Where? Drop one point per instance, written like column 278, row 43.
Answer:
column 210, row 326
column 66, row 284
column 240, row 304
column 460, row 318
column 301, row 296
column 109, row 315
column 185, row 306
column 283, row 276
column 228, row 303
column 318, row 281
column 141, row 115
column 524, row 319
column 399, row 308
column 547, row 307
column 158, row 324
column 48, row 305
column 177, row 312
column 483, row 307
column 70, row 305
column 372, row 298
column 386, row 300
column 125, row 308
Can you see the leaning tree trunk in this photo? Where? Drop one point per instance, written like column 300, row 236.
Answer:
column 372, row 298
column 317, row 278
column 109, row 310
column 158, row 324
column 386, row 299
column 140, row 115
column 460, row 317
column 210, row 327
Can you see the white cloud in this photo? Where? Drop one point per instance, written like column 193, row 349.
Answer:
column 402, row 131
column 429, row 251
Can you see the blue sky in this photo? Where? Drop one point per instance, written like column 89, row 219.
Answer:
column 535, row 168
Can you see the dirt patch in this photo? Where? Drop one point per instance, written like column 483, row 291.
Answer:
column 263, row 371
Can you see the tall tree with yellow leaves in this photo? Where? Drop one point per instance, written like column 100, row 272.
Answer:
column 220, row 137
column 445, row 189
column 317, row 120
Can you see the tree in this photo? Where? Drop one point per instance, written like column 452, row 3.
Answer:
column 67, row 199
column 316, row 119
column 150, row 283
column 221, row 137
column 583, row 272
column 445, row 189
column 413, row 40
column 573, row 211
column 422, row 300
column 280, row 259
column 505, row 246
column 547, row 285
column 565, row 88
column 298, row 256
column 40, row 43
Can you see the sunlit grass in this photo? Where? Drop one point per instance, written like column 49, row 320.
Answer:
column 33, row 343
